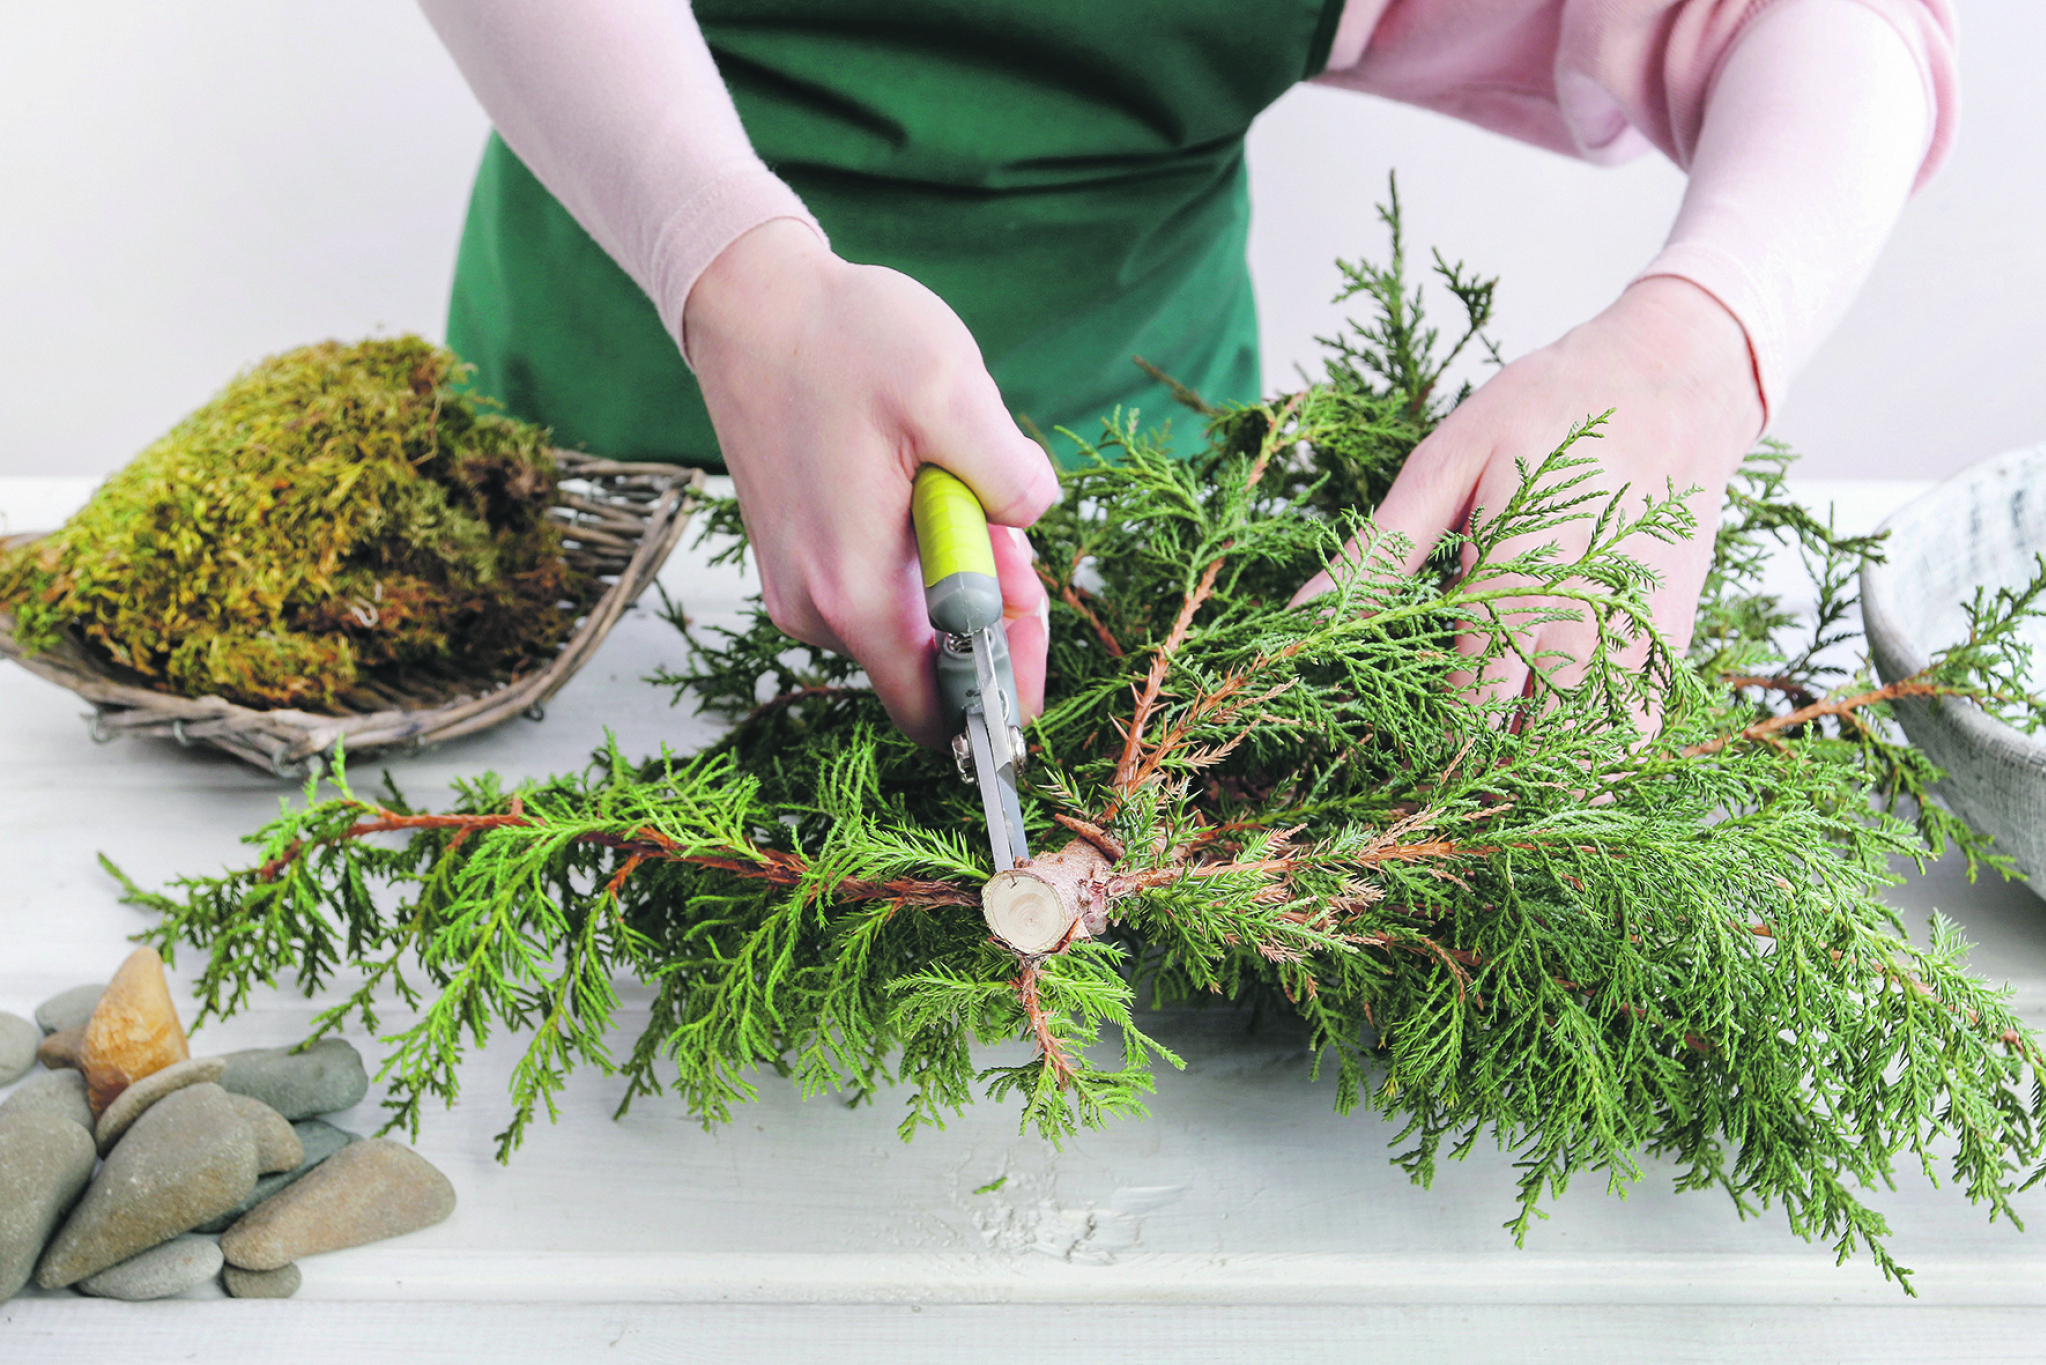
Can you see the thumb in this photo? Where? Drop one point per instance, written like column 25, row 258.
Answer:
column 975, row 438
column 1431, row 495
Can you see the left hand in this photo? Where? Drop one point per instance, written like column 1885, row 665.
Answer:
column 1675, row 367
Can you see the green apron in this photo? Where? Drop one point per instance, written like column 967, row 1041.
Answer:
column 1068, row 175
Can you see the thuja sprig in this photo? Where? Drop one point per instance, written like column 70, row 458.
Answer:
column 1395, row 343
column 1527, row 920
column 1797, row 675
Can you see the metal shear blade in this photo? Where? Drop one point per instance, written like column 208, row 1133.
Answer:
column 997, row 795
column 994, row 760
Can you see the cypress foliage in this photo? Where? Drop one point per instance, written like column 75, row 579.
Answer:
column 1542, row 921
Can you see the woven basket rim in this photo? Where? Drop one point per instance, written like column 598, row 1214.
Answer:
column 631, row 517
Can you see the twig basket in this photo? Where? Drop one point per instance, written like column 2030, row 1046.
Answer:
column 619, row 521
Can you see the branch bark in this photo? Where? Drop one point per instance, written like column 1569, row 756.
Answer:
column 640, row 847
column 1916, row 686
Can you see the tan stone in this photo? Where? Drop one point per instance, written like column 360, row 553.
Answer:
column 134, row 1031
column 60, row 1049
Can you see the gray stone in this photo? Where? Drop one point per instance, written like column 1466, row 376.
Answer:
column 365, row 1192
column 277, row 1146
column 325, row 1077
column 280, row 1283
column 169, row 1268
column 190, row 1157
column 68, row 1009
column 18, row 1042
column 61, row 1093
column 318, row 1140
column 130, row 1103
column 45, row 1162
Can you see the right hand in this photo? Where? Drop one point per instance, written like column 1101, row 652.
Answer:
column 829, row 384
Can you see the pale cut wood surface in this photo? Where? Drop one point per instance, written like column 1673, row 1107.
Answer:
column 1243, row 1222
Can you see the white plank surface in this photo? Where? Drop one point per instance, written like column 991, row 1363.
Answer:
column 1242, row 1219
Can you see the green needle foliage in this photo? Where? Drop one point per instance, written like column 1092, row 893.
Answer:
column 1542, row 922
column 1747, row 642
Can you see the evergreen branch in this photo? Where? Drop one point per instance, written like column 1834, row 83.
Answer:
column 1050, row 1053
column 1183, row 395
column 773, row 867
column 1915, row 686
column 1069, row 593
column 1130, row 769
column 798, row 694
column 1522, row 920
column 1110, row 847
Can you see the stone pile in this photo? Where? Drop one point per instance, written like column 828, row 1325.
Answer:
column 132, row 1170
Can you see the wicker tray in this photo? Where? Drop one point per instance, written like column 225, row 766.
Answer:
column 619, row 521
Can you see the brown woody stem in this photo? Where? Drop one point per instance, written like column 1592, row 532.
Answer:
column 643, row 846
column 1040, row 1025
column 1915, row 686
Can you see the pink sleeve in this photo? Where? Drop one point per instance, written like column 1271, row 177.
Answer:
column 619, row 110
column 1805, row 124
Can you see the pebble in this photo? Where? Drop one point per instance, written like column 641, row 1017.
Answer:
column 130, row 1103
column 60, row 1093
column 169, row 1268
column 134, row 1030
column 365, row 1192
column 318, row 1140
column 190, row 1157
column 68, row 1009
column 18, row 1042
column 277, row 1146
column 60, row 1050
column 45, row 1161
column 325, row 1077
column 280, row 1283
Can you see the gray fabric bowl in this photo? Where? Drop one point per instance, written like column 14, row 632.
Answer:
column 1980, row 528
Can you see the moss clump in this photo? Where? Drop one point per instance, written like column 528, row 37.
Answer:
column 335, row 515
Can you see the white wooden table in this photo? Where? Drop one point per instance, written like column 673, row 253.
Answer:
column 1244, row 1221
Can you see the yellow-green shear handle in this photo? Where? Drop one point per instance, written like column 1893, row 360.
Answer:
column 951, row 527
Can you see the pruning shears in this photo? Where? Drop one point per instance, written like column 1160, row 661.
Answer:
column 975, row 677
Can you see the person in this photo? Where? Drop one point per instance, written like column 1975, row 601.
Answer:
column 822, row 242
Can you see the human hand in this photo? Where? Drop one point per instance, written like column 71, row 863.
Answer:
column 1675, row 368
column 829, row 384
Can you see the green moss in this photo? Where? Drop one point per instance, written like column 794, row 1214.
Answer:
column 335, row 515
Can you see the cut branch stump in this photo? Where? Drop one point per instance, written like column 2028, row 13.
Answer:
column 1038, row 907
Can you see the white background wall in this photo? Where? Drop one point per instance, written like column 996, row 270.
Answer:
column 186, row 185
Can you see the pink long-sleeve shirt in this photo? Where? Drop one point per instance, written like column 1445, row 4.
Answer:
column 1804, row 125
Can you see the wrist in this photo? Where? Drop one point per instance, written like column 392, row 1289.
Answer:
column 1703, row 345
column 769, row 272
